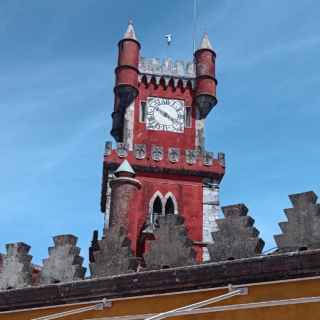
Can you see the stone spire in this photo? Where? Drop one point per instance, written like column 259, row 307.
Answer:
column 205, row 42
column 126, row 168
column 130, row 34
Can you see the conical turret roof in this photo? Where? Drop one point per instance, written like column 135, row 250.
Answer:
column 125, row 167
column 205, row 42
column 130, row 33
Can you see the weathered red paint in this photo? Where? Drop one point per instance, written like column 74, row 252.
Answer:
column 128, row 63
column 186, row 187
column 163, row 138
column 124, row 190
column 128, row 52
column 205, row 71
column 187, row 191
column 126, row 75
column 215, row 171
column 183, row 180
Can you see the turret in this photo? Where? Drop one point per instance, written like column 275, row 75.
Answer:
column 205, row 77
column 126, row 87
column 124, row 187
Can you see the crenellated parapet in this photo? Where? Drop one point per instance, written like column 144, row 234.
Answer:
column 171, row 155
column 302, row 230
column 159, row 159
column 171, row 246
column 16, row 267
column 180, row 73
column 236, row 236
column 113, row 255
column 168, row 245
column 64, row 262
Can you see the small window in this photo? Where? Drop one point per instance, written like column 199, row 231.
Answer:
column 143, row 110
column 188, row 117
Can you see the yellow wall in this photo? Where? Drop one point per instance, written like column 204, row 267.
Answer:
column 161, row 303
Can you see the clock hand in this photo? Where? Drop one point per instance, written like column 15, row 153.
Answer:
column 166, row 114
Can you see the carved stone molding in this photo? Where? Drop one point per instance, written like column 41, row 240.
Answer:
column 173, row 154
column 207, row 158
column 157, row 153
column 108, row 148
column 221, row 158
column 122, row 150
column 191, row 156
column 140, row 151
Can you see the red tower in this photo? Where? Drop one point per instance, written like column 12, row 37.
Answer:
column 158, row 124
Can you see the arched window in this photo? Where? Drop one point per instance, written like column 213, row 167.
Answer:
column 157, row 205
column 156, row 210
column 170, row 204
column 169, row 208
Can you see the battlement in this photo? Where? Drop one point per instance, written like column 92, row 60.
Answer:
column 168, row 67
column 235, row 239
column 183, row 72
column 172, row 156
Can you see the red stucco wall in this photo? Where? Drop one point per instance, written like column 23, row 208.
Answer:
column 188, row 194
column 184, row 140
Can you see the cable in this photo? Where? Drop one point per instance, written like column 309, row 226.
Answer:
column 195, row 6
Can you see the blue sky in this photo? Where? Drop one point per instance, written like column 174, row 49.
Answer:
column 57, row 60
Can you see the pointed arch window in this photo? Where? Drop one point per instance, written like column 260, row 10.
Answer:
column 160, row 205
column 156, row 210
column 169, row 208
column 171, row 205
column 157, row 205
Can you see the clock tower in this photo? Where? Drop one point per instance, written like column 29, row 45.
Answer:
column 159, row 165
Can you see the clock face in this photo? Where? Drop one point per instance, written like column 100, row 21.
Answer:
column 165, row 114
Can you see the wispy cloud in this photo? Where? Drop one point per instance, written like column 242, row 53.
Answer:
column 277, row 52
column 54, row 156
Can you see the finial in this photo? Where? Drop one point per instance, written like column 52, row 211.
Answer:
column 205, row 42
column 130, row 34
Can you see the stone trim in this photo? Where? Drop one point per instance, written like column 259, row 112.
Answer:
column 158, row 154
column 168, row 67
column 210, row 213
column 178, row 73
